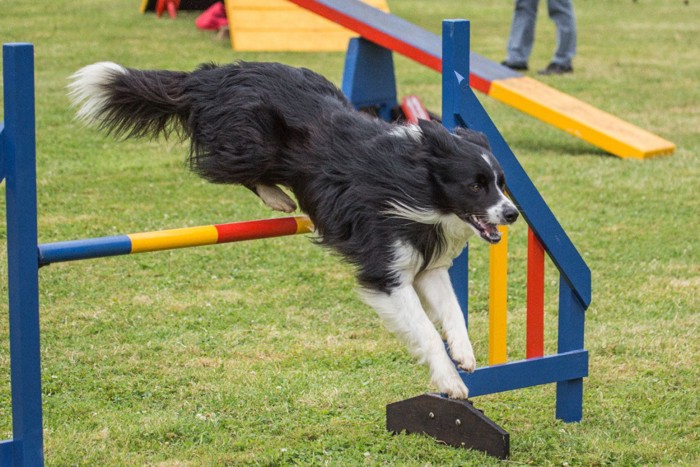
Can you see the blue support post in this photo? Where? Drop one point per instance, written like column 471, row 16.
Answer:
column 571, row 336
column 368, row 77
column 455, row 70
column 19, row 169
column 455, row 79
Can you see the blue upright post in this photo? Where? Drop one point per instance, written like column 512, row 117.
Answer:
column 455, row 81
column 455, row 69
column 19, row 160
column 368, row 77
column 571, row 335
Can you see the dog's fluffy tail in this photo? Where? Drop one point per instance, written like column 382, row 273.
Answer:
column 127, row 102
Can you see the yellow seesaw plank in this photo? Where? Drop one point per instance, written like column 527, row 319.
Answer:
column 578, row 118
column 280, row 25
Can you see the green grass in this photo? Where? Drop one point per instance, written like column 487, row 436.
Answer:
column 261, row 353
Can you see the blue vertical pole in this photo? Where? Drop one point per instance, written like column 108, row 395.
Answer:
column 19, row 150
column 455, row 69
column 455, row 81
column 571, row 333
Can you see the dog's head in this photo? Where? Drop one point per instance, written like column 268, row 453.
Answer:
column 467, row 179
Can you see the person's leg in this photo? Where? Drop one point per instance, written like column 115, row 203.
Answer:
column 562, row 13
column 522, row 33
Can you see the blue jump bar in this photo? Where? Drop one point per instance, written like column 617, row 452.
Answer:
column 84, row 249
column 525, row 373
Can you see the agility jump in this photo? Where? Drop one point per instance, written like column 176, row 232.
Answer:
column 567, row 367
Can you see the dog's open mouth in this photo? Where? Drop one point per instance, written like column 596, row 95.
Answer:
column 487, row 231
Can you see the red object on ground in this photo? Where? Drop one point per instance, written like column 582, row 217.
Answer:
column 213, row 18
column 414, row 109
column 170, row 5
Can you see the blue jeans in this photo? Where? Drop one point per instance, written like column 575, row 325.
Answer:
column 522, row 31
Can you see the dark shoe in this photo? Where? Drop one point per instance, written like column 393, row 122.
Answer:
column 515, row 66
column 556, row 69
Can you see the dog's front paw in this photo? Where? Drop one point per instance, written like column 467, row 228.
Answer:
column 467, row 363
column 275, row 198
column 452, row 385
column 464, row 357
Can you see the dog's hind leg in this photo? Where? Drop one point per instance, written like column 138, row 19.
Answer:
column 275, row 198
column 437, row 295
column 402, row 314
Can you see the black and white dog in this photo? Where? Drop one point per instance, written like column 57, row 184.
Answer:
column 398, row 202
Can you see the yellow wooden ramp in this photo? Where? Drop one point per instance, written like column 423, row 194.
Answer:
column 280, row 25
column 579, row 119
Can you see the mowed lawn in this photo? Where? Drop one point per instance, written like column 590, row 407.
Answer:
column 261, row 352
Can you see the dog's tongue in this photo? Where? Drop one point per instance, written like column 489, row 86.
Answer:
column 488, row 232
column 491, row 233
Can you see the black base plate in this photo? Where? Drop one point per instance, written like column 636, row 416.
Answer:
column 454, row 422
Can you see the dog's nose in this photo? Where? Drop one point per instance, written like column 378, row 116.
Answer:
column 510, row 215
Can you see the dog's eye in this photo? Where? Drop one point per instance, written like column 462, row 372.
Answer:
column 476, row 187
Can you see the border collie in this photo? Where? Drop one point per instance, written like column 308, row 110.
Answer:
column 398, row 202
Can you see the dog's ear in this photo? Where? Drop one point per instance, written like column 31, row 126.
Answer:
column 276, row 125
column 439, row 140
column 474, row 137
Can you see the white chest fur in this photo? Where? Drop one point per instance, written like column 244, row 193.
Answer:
column 456, row 233
column 408, row 262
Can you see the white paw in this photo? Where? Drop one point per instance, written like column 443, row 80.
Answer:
column 464, row 356
column 451, row 384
